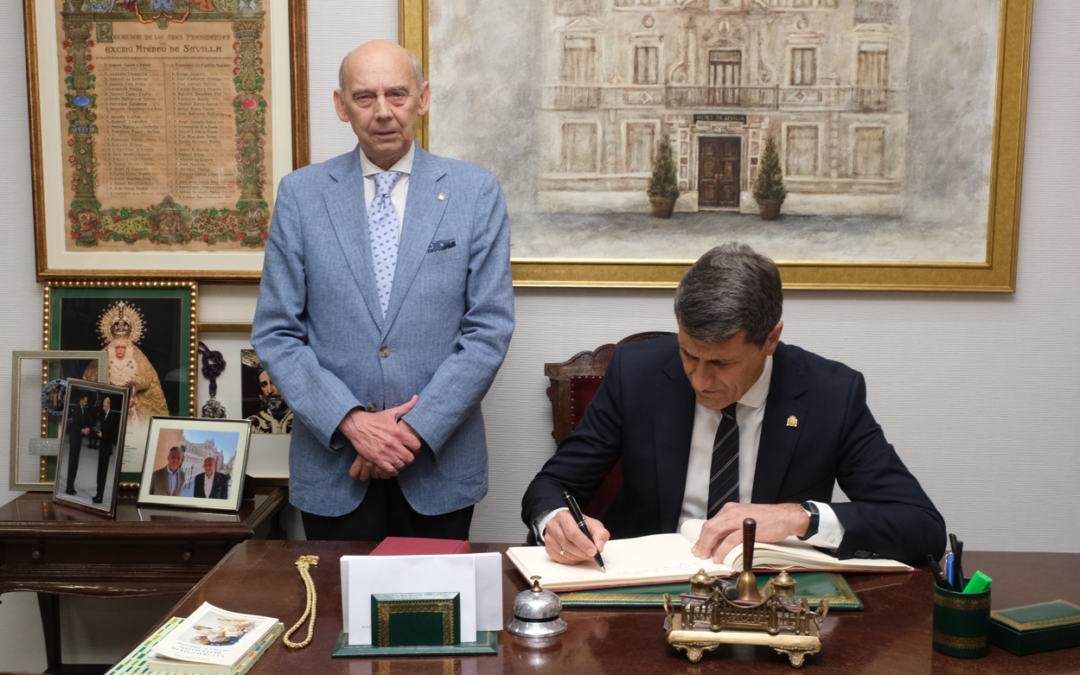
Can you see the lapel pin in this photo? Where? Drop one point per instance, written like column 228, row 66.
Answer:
column 442, row 196
column 793, row 421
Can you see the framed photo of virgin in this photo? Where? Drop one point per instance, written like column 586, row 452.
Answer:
column 195, row 463
column 162, row 127
column 88, row 464
column 862, row 144
column 148, row 330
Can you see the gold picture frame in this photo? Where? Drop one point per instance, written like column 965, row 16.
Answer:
column 997, row 273
column 285, row 67
column 164, row 354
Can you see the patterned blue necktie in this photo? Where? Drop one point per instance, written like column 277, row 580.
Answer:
column 724, row 476
column 383, row 228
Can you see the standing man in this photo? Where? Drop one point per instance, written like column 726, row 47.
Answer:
column 385, row 310
column 724, row 422
column 108, row 430
column 169, row 479
column 212, row 484
column 81, row 420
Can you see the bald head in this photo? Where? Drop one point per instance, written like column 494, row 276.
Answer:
column 382, row 96
column 418, row 67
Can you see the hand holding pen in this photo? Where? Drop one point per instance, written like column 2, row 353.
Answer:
column 567, row 544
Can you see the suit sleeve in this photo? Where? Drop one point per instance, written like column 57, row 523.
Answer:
column 889, row 513
column 279, row 333
column 462, row 380
column 586, row 456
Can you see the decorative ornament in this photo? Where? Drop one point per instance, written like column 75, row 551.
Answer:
column 793, row 421
column 303, row 564
column 52, row 397
column 121, row 321
column 213, row 363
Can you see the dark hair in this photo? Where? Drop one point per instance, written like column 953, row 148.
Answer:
column 730, row 288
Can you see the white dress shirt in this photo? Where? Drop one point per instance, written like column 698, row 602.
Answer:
column 207, row 485
column 400, row 193
column 749, row 413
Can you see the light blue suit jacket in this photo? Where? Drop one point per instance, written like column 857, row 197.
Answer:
column 320, row 332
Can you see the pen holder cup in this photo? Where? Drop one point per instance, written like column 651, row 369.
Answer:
column 961, row 623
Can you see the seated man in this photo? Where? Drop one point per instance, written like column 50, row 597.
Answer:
column 724, row 422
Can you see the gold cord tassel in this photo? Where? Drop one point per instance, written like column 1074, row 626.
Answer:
column 302, row 565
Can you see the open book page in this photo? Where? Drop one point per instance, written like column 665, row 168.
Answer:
column 793, row 554
column 213, row 635
column 657, row 558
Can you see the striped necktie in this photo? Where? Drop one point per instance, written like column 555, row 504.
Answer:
column 383, row 229
column 724, row 477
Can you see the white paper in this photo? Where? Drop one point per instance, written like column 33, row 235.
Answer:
column 366, row 575
column 489, row 591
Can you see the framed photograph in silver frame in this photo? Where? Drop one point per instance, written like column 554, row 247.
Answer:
column 91, row 440
column 38, row 387
column 195, row 463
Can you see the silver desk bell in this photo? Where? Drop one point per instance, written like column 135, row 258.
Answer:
column 537, row 613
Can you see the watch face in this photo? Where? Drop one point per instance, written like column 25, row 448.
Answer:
column 52, row 397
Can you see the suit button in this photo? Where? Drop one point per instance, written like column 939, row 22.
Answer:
column 384, row 352
column 371, row 407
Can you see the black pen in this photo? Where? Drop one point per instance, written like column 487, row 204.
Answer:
column 936, row 569
column 579, row 518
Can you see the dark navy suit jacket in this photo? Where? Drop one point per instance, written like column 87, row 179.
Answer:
column 643, row 413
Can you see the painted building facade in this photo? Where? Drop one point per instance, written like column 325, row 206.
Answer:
column 826, row 78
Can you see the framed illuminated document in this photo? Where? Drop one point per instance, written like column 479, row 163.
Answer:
column 159, row 132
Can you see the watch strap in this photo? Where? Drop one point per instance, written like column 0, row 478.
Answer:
column 815, row 519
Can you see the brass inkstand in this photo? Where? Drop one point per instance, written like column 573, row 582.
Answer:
column 710, row 616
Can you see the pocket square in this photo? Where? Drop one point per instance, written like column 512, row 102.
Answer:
column 436, row 246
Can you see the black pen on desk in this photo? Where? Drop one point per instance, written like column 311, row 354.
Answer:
column 579, row 518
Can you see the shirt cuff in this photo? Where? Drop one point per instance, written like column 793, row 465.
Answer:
column 541, row 522
column 830, row 532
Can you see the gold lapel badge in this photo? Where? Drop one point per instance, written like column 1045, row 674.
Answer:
column 793, row 421
column 442, row 196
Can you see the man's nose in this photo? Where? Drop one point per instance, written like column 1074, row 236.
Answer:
column 382, row 107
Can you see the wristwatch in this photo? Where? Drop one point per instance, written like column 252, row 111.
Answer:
column 812, row 511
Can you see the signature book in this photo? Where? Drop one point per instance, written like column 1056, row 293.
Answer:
column 666, row 558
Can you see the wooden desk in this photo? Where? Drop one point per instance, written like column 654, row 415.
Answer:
column 55, row 550
column 892, row 635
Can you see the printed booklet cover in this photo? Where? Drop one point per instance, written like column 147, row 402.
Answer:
column 213, row 635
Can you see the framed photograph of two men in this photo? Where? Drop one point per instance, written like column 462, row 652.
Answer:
column 897, row 127
column 159, row 132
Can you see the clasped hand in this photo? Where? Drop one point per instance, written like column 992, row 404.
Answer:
column 384, row 444
column 567, row 544
column 724, row 531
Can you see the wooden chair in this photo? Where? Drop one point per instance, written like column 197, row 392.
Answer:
column 573, row 384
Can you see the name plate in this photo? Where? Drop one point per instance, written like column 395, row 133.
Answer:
column 415, row 619
column 40, row 447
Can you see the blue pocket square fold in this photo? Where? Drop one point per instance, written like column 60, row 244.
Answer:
column 436, row 246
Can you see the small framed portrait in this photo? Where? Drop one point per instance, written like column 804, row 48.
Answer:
column 148, row 330
column 195, row 463
column 244, row 390
column 92, row 434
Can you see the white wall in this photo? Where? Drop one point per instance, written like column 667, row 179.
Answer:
column 980, row 393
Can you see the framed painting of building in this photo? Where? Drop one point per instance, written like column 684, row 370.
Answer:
column 159, row 130
column 898, row 128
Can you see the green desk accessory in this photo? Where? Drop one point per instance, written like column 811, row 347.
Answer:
column 1036, row 628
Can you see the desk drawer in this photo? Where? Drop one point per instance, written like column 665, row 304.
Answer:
column 29, row 554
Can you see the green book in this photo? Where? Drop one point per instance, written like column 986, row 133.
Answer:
column 415, row 619
column 814, row 585
column 143, row 659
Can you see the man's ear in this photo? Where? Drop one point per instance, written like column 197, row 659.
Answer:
column 773, row 339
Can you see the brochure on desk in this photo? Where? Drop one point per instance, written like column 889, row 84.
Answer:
column 476, row 576
column 216, row 636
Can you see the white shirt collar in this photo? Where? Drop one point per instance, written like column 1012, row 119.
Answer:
column 403, row 165
column 755, row 396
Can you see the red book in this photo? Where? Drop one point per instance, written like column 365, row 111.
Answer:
column 418, row 546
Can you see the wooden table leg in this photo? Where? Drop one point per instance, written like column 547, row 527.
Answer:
column 49, row 603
